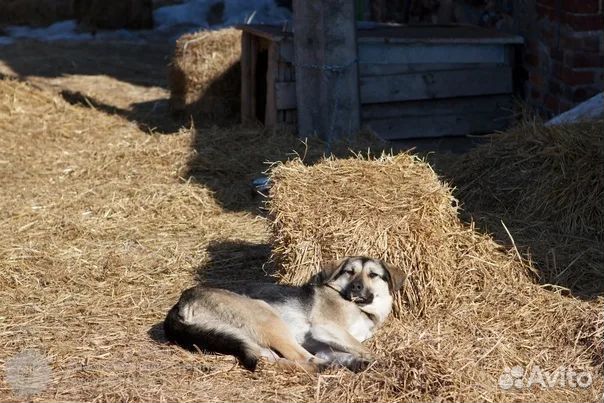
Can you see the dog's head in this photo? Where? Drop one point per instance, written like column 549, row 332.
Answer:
column 362, row 280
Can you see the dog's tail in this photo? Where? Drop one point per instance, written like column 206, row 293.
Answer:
column 224, row 340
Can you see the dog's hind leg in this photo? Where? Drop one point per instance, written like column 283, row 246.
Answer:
column 280, row 339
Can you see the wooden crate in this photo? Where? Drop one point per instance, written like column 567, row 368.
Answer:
column 414, row 81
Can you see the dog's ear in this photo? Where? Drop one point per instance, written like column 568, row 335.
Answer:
column 396, row 277
column 329, row 270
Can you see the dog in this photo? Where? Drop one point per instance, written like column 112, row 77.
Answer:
column 317, row 325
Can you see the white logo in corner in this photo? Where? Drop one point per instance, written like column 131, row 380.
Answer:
column 27, row 373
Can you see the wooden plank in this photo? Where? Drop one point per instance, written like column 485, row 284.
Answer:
column 290, row 116
column 327, row 99
column 438, row 125
column 426, row 33
column 437, row 84
column 432, row 107
column 246, row 78
column 388, row 53
column 270, row 114
column 382, row 69
column 254, row 45
column 417, row 51
column 285, row 95
column 418, row 86
column 286, row 50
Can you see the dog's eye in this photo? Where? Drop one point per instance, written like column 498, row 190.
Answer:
column 349, row 271
column 373, row 275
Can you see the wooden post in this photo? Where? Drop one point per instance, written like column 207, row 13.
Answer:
column 325, row 49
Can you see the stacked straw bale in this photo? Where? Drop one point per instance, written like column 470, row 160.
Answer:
column 547, row 185
column 469, row 309
column 205, row 76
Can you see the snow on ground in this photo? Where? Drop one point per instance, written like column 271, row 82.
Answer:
column 170, row 22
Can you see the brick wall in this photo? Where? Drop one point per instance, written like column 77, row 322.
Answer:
column 564, row 54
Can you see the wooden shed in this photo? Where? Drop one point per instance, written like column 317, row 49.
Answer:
column 414, row 81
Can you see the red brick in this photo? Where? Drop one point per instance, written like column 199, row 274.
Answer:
column 586, row 60
column 532, row 46
column 584, row 43
column 536, row 79
column 581, row 6
column 553, row 87
column 557, row 54
column 547, row 3
column 552, row 103
column 535, row 94
column 531, row 59
column 584, row 93
column 548, row 12
column 584, row 22
column 576, row 77
column 564, row 105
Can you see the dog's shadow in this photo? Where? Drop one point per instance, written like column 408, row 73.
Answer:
column 231, row 265
column 235, row 265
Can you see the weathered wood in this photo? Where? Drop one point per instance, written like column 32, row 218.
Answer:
column 285, row 95
column 270, row 114
column 388, row 53
column 438, row 125
column 391, row 45
column 254, row 45
column 327, row 98
column 286, row 50
column 418, row 86
column 426, row 33
column 434, row 107
column 247, row 114
column 437, row 84
column 370, row 69
column 290, row 117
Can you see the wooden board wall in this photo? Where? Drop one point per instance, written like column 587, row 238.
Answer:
column 415, row 90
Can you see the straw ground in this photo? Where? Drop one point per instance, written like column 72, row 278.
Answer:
column 103, row 224
column 470, row 307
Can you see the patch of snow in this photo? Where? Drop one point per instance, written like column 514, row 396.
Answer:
column 6, row 40
column 63, row 30
column 254, row 11
column 189, row 13
column 592, row 109
column 170, row 22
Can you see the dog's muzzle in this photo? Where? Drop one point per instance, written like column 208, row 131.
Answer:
column 360, row 299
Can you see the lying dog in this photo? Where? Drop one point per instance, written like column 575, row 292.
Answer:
column 319, row 324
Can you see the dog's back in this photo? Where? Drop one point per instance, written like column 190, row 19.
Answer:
column 224, row 322
column 216, row 320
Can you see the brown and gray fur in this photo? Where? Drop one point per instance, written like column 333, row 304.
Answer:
column 319, row 324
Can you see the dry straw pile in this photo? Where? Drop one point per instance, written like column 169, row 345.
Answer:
column 547, row 185
column 205, row 77
column 99, row 234
column 102, row 226
column 470, row 308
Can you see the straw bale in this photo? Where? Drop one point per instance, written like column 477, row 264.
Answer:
column 547, row 186
column 542, row 173
column 470, row 307
column 205, row 76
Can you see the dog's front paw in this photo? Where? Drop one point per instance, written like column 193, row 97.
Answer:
column 358, row 364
